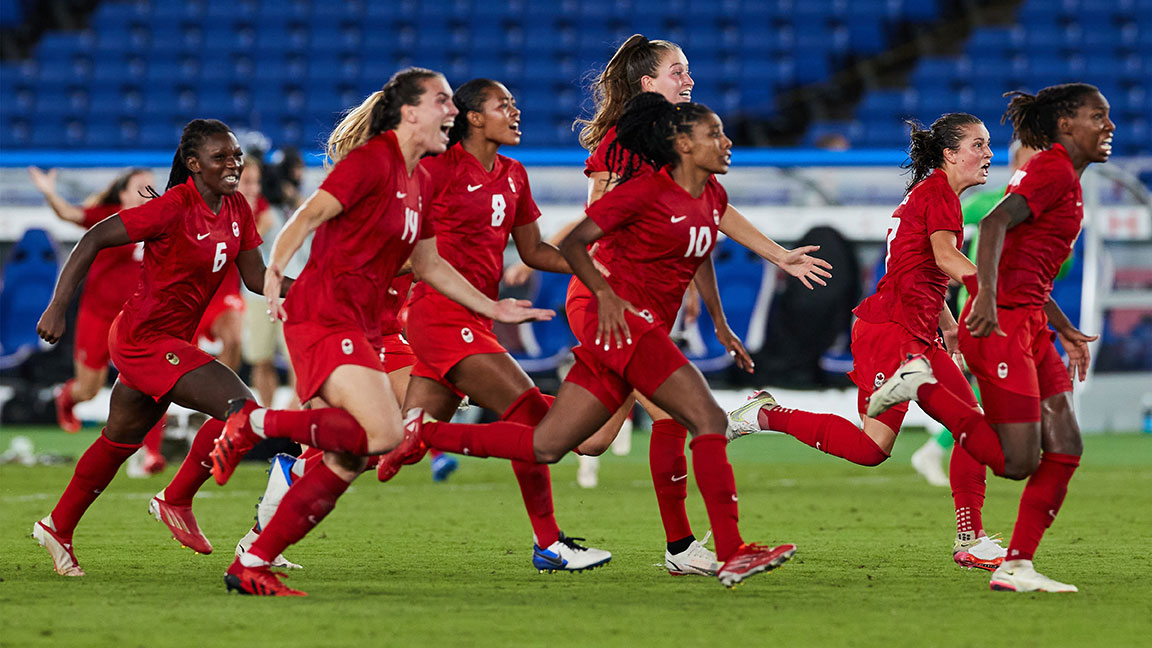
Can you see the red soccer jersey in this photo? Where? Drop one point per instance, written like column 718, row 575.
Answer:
column 655, row 237
column 472, row 213
column 355, row 255
column 187, row 252
column 1035, row 249
column 114, row 274
column 911, row 293
column 394, row 300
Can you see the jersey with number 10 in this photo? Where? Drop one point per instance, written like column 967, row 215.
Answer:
column 911, row 293
column 187, row 252
column 473, row 211
column 356, row 254
column 656, row 235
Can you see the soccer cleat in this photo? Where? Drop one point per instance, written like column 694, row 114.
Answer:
column 65, row 417
column 257, row 581
column 745, row 420
column 928, row 462
column 1021, row 576
column 410, row 446
column 279, row 561
column 280, row 479
column 63, row 560
column 982, row 553
column 566, row 555
column 696, row 560
column 443, row 466
column 752, row 559
column 902, row 386
column 588, row 471
column 154, row 463
column 181, row 523
column 235, row 441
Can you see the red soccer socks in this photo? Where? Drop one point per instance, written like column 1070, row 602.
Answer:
column 669, row 467
column 828, row 433
column 94, row 471
column 1043, row 495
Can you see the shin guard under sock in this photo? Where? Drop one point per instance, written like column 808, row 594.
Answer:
column 535, row 479
column 307, row 502
column 967, row 478
column 669, row 466
column 718, row 487
column 828, row 433
column 1043, row 495
column 196, row 467
column 500, row 439
column 94, row 471
column 966, row 423
column 330, row 428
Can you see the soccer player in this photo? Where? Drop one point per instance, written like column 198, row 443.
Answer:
column 192, row 233
column 477, row 199
column 653, row 232
column 923, row 252
column 643, row 65
column 112, row 279
column 1026, row 389
column 368, row 218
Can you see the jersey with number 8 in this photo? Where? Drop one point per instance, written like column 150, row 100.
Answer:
column 655, row 237
column 473, row 212
column 186, row 249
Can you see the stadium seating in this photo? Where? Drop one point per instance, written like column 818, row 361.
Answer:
column 28, row 280
column 300, row 61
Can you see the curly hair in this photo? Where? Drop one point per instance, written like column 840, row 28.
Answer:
column 1034, row 117
column 647, row 130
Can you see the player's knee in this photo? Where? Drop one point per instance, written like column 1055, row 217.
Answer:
column 709, row 420
column 85, row 390
column 1021, row 467
column 548, row 455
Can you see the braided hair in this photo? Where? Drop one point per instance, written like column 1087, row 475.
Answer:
column 1034, row 117
column 926, row 150
column 469, row 97
column 647, row 130
column 378, row 113
column 196, row 132
column 637, row 57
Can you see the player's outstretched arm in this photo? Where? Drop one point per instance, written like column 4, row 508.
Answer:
column 536, row 253
column 612, row 325
column 45, row 183
column 705, row 282
column 430, row 267
column 320, row 207
column 799, row 263
column 1074, row 341
column 107, row 233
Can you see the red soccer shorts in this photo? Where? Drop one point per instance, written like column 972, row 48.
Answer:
column 219, row 304
column 316, row 351
column 91, row 341
column 395, row 353
column 154, row 364
column 1017, row 371
column 611, row 375
column 442, row 333
column 877, row 350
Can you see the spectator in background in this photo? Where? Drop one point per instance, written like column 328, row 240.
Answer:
column 281, row 183
column 112, row 279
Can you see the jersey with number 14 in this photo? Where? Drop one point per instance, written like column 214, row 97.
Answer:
column 656, row 235
column 355, row 255
column 911, row 293
column 473, row 211
column 187, row 252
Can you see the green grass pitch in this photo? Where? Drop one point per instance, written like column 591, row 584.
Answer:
column 413, row 563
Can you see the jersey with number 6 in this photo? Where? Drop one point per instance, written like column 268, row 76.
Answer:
column 911, row 293
column 355, row 255
column 655, row 237
column 187, row 252
column 473, row 211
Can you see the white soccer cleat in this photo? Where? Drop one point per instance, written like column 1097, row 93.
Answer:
column 745, row 420
column 588, row 472
column 982, row 553
column 696, row 560
column 64, row 561
column 928, row 461
column 280, row 478
column 566, row 555
column 902, row 386
column 1021, row 576
column 246, row 543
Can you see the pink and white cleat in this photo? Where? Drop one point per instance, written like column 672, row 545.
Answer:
column 64, row 561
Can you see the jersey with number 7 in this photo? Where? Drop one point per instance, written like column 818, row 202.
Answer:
column 911, row 293
column 187, row 250
column 656, row 235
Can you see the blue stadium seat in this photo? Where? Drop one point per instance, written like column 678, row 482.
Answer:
column 28, row 281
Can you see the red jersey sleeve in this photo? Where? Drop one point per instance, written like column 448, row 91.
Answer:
column 598, row 161
column 249, row 235
column 154, row 218
column 617, row 207
column 526, row 209
column 940, row 214
column 356, row 176
column 97, row 213
column 1041, row 184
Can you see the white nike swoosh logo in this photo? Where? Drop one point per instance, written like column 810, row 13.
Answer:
column 201, row 237
column 677, row 219
column 400, row 195
column 680, row 478
column 474, row 187
column 1079, row 204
